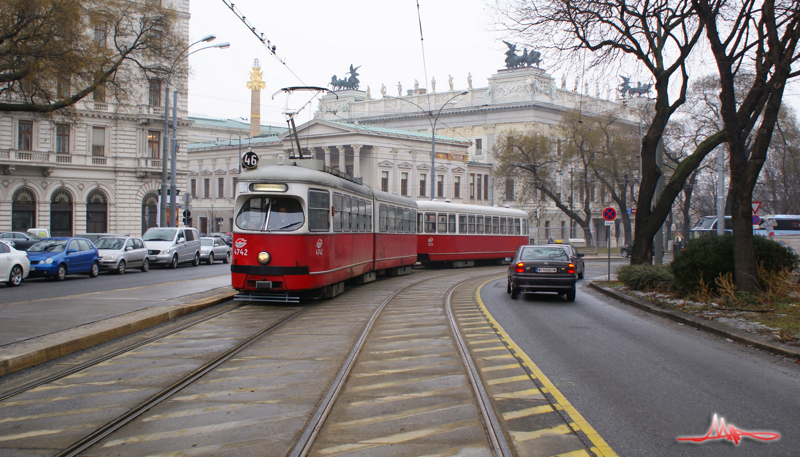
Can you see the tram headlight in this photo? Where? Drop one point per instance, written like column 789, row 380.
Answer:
column 264, row 258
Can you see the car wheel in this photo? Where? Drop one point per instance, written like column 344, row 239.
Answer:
column 61, row 273
column 624, row 253
column 196, row 260
column 174, row 263
column 508, row 286
column 227, row 258
column 15, row 278
column 95, row 270
column 121, row 267
column 210, row 258
column 514, row 293
column 580, row 275
column 571, row 294
column 146, row 265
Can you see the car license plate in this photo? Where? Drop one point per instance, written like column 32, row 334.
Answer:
column 546, row 270
column 263, row 284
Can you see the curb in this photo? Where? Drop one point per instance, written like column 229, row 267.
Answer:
column 716, row 328
column 25, row 358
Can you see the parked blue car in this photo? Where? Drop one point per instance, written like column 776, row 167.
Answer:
column 57, row 257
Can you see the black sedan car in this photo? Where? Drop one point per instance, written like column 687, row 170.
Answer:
column 19, row 240
column 542, row 269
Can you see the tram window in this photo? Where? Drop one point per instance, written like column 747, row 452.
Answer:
column 362, row 215
column 496, row 225
column 516, row 226
column 525, row 226
column 502, row 225
column 414, row 217
column 319, row 203
column 479, row 224
column 442, row 222
column 399, row 221
column 430, row 222
column 488, row 225
column 337, row 212
column 345, row 213
column 390, row 223
column 354, row 215
column 419, row 223
column 462, row 223
column 253, row 214
column 369, row 216
column 382, row 217
column 408, row 223
column 451, row 223
column 471, row 223
column 285, row 214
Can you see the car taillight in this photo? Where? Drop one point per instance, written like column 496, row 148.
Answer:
column 520, row 267
column 571, row 269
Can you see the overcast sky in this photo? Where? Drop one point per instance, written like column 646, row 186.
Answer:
column 321, row 38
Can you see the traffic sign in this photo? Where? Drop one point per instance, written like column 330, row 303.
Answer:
column 609, row 223
column 250, row 160
column 756, row 219
column 756, row 206
column 609, row 214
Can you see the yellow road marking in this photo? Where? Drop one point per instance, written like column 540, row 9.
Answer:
column 578, row 453
column 497, row 357
column 602, row 448
column 495, row 382
column 562, row 429
column 399, row 415
column 500, row 367
column 402, row 370
column 530, row 394
column 528, row 412
column 496, row 348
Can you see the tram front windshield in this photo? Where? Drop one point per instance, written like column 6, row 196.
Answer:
column 270, row 214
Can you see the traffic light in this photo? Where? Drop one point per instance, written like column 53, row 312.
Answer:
column 187, row 215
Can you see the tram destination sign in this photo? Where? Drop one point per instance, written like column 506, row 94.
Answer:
column 250, row 160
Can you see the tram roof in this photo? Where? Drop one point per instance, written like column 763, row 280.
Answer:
column 427, row 205
column 306, row 173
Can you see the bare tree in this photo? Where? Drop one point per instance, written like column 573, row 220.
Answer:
column 54, row 53
column 778, row 186
column 759, row 37
column 658, row 36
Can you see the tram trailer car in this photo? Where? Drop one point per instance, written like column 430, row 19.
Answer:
column 300, row 230
column 458, row 235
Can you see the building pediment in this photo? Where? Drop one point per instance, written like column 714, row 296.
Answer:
column 405, row 166
column 458, row 170
column 386, row 163
column 206, row 173
column 423, row 167
column 220, row 171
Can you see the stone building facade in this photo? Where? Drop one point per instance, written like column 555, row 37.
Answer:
column 95, row 170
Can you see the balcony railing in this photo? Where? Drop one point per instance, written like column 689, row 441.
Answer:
column 149, row 109
column 147, row 162
column 36, row 157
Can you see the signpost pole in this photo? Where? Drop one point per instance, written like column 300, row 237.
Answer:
column 608, row 274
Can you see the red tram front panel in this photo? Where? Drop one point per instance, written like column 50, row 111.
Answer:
column 300, row 261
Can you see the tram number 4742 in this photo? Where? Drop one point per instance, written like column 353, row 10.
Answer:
column 238, row 251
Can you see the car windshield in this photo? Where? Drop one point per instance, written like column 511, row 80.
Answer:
column 110, row 243
column 159, row 234
column 49, row 246
column 543, row 254
column 206, row 242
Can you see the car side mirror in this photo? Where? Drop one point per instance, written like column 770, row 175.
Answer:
column 129, row 248
column 581, row 254
column 71, row 251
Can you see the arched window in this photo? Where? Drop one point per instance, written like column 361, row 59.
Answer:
column 61, row 213
column 96, row 212
column 149, row 211
column 23, row 210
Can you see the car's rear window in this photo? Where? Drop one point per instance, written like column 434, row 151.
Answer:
column 543, row 254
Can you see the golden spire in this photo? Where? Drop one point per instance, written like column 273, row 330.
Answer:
column 256, row 74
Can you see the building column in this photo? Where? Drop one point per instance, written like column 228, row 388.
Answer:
column 327, row 150
column 357, row 159
column 342, row 166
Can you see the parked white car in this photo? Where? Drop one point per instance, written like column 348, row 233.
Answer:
column 14, row 265
column 118, row 253
column 214, row 248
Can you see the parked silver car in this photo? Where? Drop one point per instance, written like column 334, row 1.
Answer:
column 119, row 253
column 171, row 246
column 214, row 248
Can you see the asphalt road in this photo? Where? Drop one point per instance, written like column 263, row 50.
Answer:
column 42, row 306
column 643, row 381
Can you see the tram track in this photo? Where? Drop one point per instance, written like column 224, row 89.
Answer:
column 386, row 367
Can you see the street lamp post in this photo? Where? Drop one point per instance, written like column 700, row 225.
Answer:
column 432, row 119
column 240, row 146
column 173, row 204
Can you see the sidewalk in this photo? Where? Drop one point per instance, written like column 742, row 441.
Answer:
column 22, row 353
column 716, row 328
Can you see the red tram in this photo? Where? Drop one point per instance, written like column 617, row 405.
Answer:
column 304, row 229
column 461, row 235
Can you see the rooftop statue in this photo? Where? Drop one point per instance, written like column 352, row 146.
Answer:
column 626, row 89
column 525, row 60
column 350, row 83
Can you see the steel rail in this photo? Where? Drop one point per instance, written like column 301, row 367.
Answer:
column 493, row 427
column 137, row 411
column 62, row 374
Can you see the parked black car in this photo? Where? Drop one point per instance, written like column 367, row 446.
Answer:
column 226, row 237
column 625, row 250
column 19, row 240
column 541, row 269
